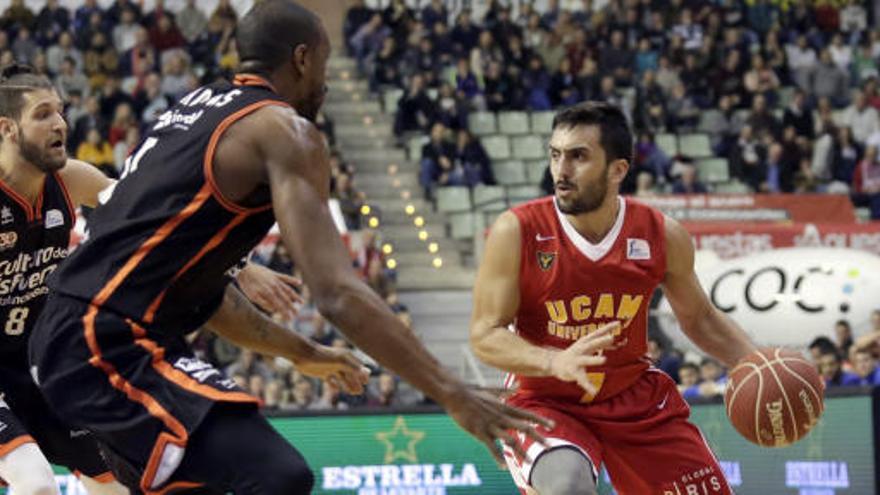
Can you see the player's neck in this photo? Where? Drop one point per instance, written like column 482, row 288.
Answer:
column 595, row 225
column 21, row 176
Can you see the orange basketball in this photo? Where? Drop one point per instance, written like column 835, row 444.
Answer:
column 774, row 397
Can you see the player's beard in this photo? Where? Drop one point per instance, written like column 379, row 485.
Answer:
column 592, row 198
column 38, row 156
column 310, row 110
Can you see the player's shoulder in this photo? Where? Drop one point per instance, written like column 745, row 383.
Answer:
column 272, row 122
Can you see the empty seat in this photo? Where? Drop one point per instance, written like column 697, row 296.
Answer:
column 489, row 197
column 713, row 170
column 528, row 148
column 462, row 225
column 542, row 122
column 523, row 193
column 535, row 170
column 414, row 147
column 668, row 144
column 390, row 97
column 513, row 123
column 732, row 187
column 453, row 198
column 482, row 123
column 497, row 146
column 695, row 145
column 509, row 172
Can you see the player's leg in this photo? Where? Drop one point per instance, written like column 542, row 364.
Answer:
column 563, row 471
column 236, row 449
column 660, row 451
column 566, row 465
column 23, row 466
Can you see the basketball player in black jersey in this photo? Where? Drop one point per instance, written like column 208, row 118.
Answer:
column 39, row 189
column 205, row 185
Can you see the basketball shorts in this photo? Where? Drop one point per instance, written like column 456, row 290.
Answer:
column 642, row 435
column 141, row 395
column 26, row 417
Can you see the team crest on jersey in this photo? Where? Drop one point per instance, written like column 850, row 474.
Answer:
column 8, row 240
column 6, row 216
column 638, row 249
column 54, row 218
column 545, row 260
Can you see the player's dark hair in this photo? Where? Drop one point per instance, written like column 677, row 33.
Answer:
column 843, row 323
column 16, row 80
column 689, row 365
column 268, row 34
column 614, row 132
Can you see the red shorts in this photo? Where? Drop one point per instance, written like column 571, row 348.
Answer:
column 641, row 434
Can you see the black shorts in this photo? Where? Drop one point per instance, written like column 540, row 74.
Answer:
column 26, row 417
column 145, row 400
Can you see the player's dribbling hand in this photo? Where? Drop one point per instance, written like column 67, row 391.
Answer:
column 569, row 365
column 488, row 419
column 270, row 290
column 335, row 365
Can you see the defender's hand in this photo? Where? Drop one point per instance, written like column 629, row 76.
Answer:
column 270, row 290
column 569, row 365
column 488, row 419
column 337, row 365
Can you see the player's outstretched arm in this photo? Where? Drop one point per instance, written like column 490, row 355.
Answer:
column 709, row 328
column 240, row 322
column 297, row 162
column 496, row 301
column 84, row 182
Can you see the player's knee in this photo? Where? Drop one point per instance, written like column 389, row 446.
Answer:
column 570, row 484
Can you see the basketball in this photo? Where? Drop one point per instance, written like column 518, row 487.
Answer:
column 774, row 397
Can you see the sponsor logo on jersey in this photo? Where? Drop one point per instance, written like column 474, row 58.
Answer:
column 6, row 216
column 545, row 260
column 638, row 249
column 8, row 240
column 581, row 315
column 54, row 218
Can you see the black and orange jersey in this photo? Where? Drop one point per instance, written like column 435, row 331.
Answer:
column 159, row 244
column 33, row 241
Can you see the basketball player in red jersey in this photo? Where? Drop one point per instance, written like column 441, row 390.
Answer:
column 573, row 274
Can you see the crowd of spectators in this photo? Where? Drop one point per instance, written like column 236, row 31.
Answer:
column 841, row 360
column 118, row 69
column 787, row 91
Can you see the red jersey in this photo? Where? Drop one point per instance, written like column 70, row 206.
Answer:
column 569, row 287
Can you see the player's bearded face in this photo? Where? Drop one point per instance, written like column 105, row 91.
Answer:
column 579, row 167
column 586, row 198
column 47, row 154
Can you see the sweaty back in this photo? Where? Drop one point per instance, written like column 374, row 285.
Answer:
column 159, row 244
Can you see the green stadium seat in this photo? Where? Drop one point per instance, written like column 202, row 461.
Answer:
column 695, row 145
column 513, row 123
column 668, row 144
column 521, row 194
column 542, row 122
column 482, row 123
column 509, row 172
column 462, row 225
column 535, row 170
column 497, row 146
column 414, row 147
column 489, row 198
column 732, row 187
column 453, row 199
column 713, row 170
column 528, row 148
column 863, row 214
column 786, row 94
column 390, row 97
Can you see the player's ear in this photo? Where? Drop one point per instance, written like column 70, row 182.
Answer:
column 300, row 58
column 619, row 169
column 8, row 129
